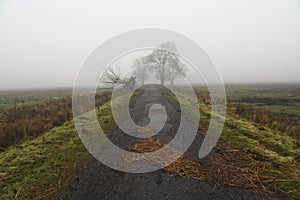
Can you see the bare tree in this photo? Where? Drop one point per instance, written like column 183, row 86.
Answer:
column 167, row 63
column 128, row 83
column 141, row 68
column 160, row 58
column 113, row 79
column 176, row 70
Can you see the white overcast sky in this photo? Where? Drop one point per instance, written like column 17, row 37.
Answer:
column 44, row 42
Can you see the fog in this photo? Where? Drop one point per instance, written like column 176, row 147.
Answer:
column 44, row 43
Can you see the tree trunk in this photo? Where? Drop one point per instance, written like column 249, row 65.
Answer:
column 162, row 76
column 172, row 81
column 143, row 79
column 143, row 75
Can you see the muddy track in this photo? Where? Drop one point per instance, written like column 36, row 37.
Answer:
column 101, row 182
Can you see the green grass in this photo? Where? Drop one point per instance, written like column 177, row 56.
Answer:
column 38, row 167
column 41, row 166
column 30, row 169
column 275, row 154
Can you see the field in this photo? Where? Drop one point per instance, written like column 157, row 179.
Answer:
column 261, row 137
column 26, row 114
column 9, row 99
column 277, row 107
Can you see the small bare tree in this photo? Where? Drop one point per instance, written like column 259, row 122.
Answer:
column 129, row 83
column 113, row 79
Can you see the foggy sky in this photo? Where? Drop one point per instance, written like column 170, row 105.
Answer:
column 43, row 43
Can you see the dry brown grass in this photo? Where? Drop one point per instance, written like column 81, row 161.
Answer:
column 223, row 166
column 147, row 145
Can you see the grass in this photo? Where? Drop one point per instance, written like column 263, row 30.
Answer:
column 37, row 165
column 279, row 99
column 41, row 167
column 274, row 155
column 8, row 99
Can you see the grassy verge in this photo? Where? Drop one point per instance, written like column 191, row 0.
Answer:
column 272, row 155
column 276, row 155
column 33, row 169
column 40, row 167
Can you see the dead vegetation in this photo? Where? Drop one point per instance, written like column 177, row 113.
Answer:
column 221, row 167
column 147, row 145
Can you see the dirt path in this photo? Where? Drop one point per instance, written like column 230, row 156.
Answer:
column 100, row 182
